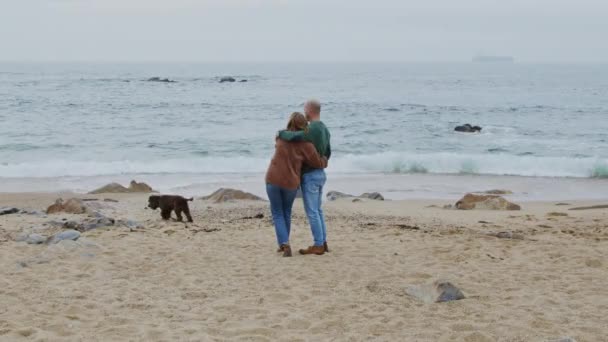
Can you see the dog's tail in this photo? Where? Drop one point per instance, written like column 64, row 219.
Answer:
column 190, row 199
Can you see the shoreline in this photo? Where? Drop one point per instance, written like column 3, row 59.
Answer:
column 391, row 186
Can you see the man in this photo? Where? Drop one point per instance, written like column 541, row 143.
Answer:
column 313, row 180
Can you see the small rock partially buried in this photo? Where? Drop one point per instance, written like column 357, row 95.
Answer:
column 562, row 339
column 7, row 211
column 437, row 292
column 35, row 239
column 65, row 235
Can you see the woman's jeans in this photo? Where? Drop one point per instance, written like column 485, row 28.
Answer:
column 281, row 202
column 312, row 194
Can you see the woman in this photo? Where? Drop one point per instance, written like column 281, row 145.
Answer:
column 283, row 178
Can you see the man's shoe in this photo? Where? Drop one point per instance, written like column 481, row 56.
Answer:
column 286, row 250
column 316, row 250
column 325, row 247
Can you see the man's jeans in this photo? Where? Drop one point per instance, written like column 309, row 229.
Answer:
column 312, row 194
column 281, row 202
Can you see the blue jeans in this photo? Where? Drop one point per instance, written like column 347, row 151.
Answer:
column 312, row 194
column 281, row 202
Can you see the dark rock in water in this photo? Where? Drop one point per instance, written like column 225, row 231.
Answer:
column 65, row 235
column 467, row 128
column 437, row 292
column 243, row 81
column 35, row 239
column 7, row 211
column 227, row 79
column 158, row 79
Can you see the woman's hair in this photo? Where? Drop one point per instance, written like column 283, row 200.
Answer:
column 297, row 122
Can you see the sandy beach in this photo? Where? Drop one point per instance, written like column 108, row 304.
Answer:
column 220, row 278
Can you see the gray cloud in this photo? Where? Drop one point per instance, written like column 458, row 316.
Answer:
column 297, row 30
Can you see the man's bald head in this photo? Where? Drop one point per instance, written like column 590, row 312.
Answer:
column 312, row 108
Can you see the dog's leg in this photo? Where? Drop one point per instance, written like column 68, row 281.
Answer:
column 187, row 212
column 178, row 213
column 165, row 214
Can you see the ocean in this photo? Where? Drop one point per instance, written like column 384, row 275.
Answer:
column 77, row 126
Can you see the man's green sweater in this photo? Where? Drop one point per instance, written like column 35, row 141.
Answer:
column 318, row 134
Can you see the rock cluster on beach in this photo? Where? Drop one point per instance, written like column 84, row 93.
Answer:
column 487, row 202
column 71, row 206
column 226, row 195
column 117, row 188
column 336, row 195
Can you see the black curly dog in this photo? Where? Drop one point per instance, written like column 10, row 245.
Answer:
column 168, row 203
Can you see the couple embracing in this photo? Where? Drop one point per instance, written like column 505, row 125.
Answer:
column 301, row 155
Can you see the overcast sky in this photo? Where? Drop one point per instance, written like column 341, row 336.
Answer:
column 303, row 30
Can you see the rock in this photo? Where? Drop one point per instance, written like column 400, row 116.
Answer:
column 65, row 235
column 487, row 202
column 73, row 225
column 110, row 188
column 7, row 211
column 437, row 292
column 467, row 128
column 373, row 196
column 100, row 222
column 562, row 339
column 603, row 206
column 497, row 192
column 243, row 81
column 227, row 79
column 110, row 200
column 35, row 239
column 132, row 225
column 507, row 235
column 72, row 206
column 158, row 79
column 117, row 188
column 556, row 214
column 225, row 195
column 139, row 187
column 336, row 195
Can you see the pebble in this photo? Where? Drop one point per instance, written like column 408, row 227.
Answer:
column 6, row 211
column 437, row 292
column 35, row 239
column 65, row 235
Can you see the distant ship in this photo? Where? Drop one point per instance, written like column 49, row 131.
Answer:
column 493, row 59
